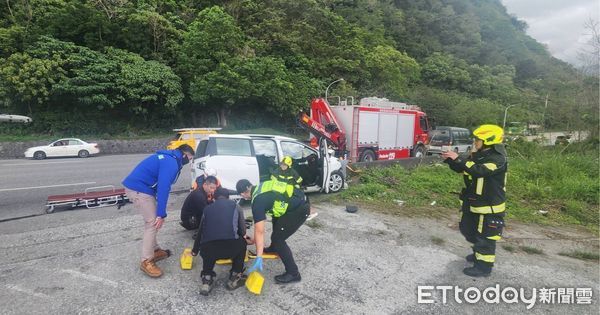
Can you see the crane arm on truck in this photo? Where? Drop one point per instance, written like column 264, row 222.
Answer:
column 322, row 124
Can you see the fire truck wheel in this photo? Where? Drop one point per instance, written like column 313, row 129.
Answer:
column 419, row 151
column 367, row 156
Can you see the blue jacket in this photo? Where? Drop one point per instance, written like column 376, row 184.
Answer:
column 155, row 175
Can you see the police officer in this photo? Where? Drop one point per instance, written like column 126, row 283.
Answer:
column 285, row 173
column 483, row 198
column 289, row 208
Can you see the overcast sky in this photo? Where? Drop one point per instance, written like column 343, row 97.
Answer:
column 558, row 24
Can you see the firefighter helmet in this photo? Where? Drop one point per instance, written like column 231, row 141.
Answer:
column 489, row 134
column 287, row 160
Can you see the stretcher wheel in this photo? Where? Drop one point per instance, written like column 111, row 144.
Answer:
column 49, row 209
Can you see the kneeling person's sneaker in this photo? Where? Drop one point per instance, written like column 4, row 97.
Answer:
column 288, row 278
column 236, row 280
column 476, row 272
column 208, row 283
column 150, row 268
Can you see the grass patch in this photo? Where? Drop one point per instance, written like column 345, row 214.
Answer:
column 437, row 240
column 582, row 255
column 545, row 186
column 509, row 248
column 531, row 250
column 314, row 224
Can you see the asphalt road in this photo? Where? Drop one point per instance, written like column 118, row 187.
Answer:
column 87, row 262
column 25, row 184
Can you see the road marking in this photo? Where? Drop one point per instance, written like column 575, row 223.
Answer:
column 86, row 276
column 43, row 163
column 26, row 291
column 48, row 186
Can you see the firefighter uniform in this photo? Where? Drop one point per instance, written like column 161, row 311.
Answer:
column 289, row 208
column 289, row 175
column 483, row 199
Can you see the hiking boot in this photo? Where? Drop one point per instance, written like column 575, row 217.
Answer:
column 150, row 268
column 236, row 280
column 476, row 272
column 208, row 282
column 470, row 258
column 287, row 278
column 161, row 254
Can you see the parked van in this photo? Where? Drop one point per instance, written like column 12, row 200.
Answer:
column 449, row 139
column 189, row 136
column 252, row 157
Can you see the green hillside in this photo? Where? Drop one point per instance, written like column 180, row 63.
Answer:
column 129, row 67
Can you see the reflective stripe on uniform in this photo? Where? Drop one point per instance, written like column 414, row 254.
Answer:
column 489, row 209
column 468, row 164
column 486, row 258
column 479, row 186
column 279, row 206
column 494, row 238
column 480, row 225
column 490, row 166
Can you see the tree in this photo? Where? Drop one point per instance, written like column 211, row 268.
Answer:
column 392, row 72
column 29, row 81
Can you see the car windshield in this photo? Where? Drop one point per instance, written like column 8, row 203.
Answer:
column 439, row 136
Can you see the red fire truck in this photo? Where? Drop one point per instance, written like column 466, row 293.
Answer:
column 373, row 129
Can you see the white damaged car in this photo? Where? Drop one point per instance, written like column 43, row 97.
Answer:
column 252, row 157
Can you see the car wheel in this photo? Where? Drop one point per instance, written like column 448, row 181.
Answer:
column 367, row 156
column 39, row 155
column 336, row 181
column 83, row 154
column 419, row 151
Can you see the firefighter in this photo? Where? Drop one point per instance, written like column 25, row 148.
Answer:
column 285, row 173
column 483, row 198
column 289, row 208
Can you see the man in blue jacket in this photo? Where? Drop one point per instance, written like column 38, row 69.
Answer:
column 148, row 187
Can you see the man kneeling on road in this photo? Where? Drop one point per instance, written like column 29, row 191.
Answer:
column 222, row 235
column 195, row 202
column 289, row 208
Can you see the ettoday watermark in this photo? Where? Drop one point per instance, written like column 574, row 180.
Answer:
column 508, row 295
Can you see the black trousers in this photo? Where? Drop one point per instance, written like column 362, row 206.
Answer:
column 189, row 221
column 223, row 249
column 283, row 228
column 482, row 230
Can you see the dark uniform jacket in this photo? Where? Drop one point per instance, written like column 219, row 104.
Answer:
column 289, row 176
column 485, row 179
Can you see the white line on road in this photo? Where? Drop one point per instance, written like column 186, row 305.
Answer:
column 48, row 186
column 43, row 163
column 86, row 276
column 26, row 291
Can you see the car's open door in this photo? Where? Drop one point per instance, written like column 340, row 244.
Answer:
column 324, row 159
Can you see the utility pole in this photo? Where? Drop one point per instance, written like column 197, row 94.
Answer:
column 505, row 113
column 544, row 113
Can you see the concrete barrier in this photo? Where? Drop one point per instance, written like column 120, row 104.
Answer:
column 15, row 150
